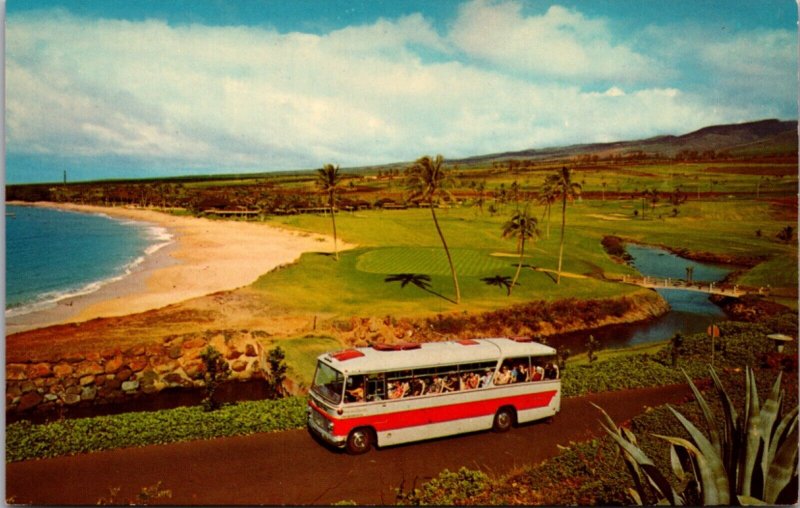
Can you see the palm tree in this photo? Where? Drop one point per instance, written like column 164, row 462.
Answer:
column 328, row 180
column 522, row 227
column 567, row 190
column 481, row 188
column 547, row 196
column 427, row 180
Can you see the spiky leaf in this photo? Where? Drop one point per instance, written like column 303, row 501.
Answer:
column 714, row 482
column 721, row 485
column 783, row 467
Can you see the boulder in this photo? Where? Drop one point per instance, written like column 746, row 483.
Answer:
column 29, row 400
column 174, row 352
column 88, row 393
column 135, row 351
column 113, row 364
column 27, row 386
column 155, row 350
column 175, row 379
column 38, row 370
column 194, row 369
column 130, row 386
column 233, row 354
column 93, row 357
column 124, row 374
column 194, row 344
column 239, row 365
column 71, row 399
column 73, row 357
column 63, row 370
column 87, row 380
column 110, row 353
column 137, row 364
column 86, row 368
column 16, row 371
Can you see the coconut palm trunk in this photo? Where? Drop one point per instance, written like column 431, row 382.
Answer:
column 333, row 221
column 563, row 227
column 519, row 265
column 446, row 251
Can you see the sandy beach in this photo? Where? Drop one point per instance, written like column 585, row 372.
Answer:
column 206, row 256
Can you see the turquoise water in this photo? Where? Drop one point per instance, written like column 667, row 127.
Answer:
column 690, row 311
column 54, row 254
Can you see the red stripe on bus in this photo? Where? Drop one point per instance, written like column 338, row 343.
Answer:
column 438, row 414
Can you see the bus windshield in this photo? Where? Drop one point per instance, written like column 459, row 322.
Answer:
column 329, row 383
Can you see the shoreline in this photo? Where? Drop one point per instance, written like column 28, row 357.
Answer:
column 204, row 256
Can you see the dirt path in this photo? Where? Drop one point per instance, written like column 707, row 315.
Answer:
column 292, row 468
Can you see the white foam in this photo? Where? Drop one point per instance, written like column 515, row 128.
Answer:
column 158, row 235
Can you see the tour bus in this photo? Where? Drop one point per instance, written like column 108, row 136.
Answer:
column 391, row 394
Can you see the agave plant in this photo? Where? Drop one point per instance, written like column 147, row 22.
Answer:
column 750, row 460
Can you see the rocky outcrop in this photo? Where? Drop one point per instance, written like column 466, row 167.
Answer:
column 114, row 375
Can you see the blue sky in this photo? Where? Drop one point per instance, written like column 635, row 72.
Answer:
column 135, row 88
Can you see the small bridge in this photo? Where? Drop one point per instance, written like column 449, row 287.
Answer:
column 711, row 288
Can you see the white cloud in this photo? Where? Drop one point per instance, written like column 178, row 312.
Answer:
column 239, row 98
column 561, row 43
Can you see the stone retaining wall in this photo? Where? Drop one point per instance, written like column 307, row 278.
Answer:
column 114, row 375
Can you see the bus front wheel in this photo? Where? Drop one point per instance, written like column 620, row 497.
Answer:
column 359, row 441
column 503, row 420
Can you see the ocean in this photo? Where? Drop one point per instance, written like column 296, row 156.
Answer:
column 55, row 254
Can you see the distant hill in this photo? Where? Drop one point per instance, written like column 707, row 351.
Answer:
column 760, row 138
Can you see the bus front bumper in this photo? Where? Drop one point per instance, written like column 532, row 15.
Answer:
column 318, row 425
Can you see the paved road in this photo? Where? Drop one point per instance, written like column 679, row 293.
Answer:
column 292, row 468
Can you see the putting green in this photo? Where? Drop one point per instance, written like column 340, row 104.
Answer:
column 430, row 261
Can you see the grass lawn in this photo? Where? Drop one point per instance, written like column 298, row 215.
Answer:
column 405, row 242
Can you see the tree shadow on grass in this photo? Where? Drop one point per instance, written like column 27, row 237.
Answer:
column 549, row 273
column 501, row 281
column 420, row 280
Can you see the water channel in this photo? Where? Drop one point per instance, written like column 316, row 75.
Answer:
column 691, row 311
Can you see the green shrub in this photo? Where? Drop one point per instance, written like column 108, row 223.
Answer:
column 447, row 489
column 69, row 437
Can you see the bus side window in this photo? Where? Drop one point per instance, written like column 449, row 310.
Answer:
column 376, row 387
column 356, row 389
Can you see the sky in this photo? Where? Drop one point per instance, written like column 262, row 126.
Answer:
column 108, row 89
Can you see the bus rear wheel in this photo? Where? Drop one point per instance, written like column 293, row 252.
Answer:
column 359, row 441
column 503, row 420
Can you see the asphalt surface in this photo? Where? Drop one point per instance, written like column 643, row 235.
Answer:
column 293, row 468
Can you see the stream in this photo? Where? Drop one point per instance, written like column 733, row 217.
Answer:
column 691, row 312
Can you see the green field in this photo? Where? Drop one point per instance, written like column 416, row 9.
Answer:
column 405, row 242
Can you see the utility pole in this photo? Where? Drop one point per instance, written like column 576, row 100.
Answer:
column 65, row 177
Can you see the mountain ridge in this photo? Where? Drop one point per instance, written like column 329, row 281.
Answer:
column 768, row 137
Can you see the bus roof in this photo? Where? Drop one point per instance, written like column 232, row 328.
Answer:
column 432, row 354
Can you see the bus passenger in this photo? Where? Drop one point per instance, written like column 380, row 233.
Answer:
column 417, row 386
column 514, row 374
column 503, row 377
column 472, row 381
column 551, row 371
column 486, row 380
column 451, row 384
column 435, row 386
column 397, row 391
column 522, row 373
column 356, row 394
